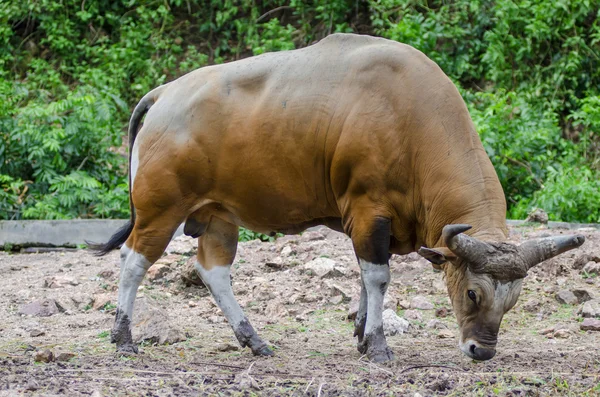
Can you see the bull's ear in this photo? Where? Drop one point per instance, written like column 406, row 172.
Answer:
column 437, row 256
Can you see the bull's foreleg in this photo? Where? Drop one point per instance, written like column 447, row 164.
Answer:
column 371, row 241
column 361, row 318
column 216, row 251
column 133, row 270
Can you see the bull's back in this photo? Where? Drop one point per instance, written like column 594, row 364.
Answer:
column 284, row 138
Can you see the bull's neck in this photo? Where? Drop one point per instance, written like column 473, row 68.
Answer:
column 472, row 195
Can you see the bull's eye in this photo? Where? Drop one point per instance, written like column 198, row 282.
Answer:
column 472, row 295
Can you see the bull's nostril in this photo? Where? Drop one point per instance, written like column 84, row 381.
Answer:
column 472, row 349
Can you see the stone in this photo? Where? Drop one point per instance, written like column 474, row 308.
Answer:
column 43, row 356
column 538, row 215
column 582, row 295
column 157, row 272
column 322, row 268
column 101, row 300
column 562, row 333
column 106, row 274
column 189, row 275
column 228, row 347
column 60, row 281
column 353, row 308
column 151, row 323
column 436, row 324
column 591, row 268
column 275, row 263
column 182, row 245
column 421, row 303
column 287, row 251
column 404, row 304
column 441, row 312
column 390, row 303
column 339, row 289
column 445, row 334
column 590, row 309
column 312, row 236
column 64, row 356
column 532, row 305
column 590, row 324
column 584, row 259
column 34, row 333
column 413, row 315
column 439, row 286
column 393, row 324
column 336, row 300
column 566, row 297
column 42, row 308
column 275, row 309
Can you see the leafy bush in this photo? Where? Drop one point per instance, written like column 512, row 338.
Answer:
column 70, row 72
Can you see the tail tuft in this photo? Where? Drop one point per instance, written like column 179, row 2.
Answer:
column 115, row 241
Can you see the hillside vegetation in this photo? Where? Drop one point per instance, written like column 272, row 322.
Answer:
column 71, row 71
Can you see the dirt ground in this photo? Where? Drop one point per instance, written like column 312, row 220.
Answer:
column 541, row 350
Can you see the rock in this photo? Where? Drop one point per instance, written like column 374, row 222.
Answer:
column 82, row 301
column 590, row 324
column 312, row 236
column 547, row 331
column 339, row 289
column 445, row 334
column 192, row 304
column 101, row 300
column 287, row 251
column 582, row 295
column 106, row 274
column 275, row 309
column 566, row 297
column 436, row 324
column 390, row 303
column 591, row 268
column 151, row 323
column 404, row 304
column 64, row 356
column 562, row 333
column 439, row 286
column 156, row 272
column 43, row 356
column 336, row 300
column 353, row 308
column 392, row 324
column 421, row 303
column 34, row 333
column 42, row 308
column 590, row 309
column 189, row 274
column 537, row 215
column 60, row 281
column 322, row 268
column 228, row 347
column 441, row 312
column 532, row 305
column 182, row 245
column 413, row 315
column 276, row 263
column 583, row 260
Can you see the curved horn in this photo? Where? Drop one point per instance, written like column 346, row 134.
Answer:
column 539, row 250
column 474, row 251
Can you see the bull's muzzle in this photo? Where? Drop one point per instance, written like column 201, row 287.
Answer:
column 477, row 351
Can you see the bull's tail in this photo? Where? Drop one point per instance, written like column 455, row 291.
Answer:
column 123, row 233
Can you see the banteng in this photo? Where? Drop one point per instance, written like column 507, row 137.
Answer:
column 361, row 134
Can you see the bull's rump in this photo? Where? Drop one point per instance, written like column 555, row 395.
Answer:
column 285, row 138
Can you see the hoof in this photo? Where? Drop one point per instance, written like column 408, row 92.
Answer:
column 381, row 356
column 128, row 348
column 362, row 347
column 263, row 351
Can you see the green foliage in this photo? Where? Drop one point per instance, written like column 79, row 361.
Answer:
column 71, row 71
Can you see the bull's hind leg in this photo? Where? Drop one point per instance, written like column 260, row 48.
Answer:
column 371, row 240
column 144, row 246
column 216, row 250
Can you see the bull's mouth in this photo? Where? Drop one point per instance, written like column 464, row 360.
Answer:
column 476, row 350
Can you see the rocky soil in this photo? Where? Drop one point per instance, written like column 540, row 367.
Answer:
column 57, row 309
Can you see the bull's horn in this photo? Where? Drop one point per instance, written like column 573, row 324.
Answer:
column 474, row 251
column 539, row 250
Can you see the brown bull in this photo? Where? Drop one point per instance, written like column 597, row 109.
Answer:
column 361, row 134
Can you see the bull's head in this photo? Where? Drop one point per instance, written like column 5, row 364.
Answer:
column 484, row 280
